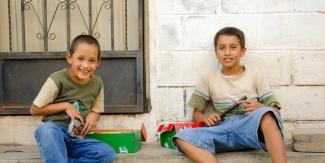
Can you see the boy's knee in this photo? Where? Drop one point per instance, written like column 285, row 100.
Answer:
column 45, row 127
column 268, row 119
column 181, row 143
column 47, row 130
column 107, row 152
column 178, row 141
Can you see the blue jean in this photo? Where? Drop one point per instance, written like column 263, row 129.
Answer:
column 57, row 147
column 235, row 133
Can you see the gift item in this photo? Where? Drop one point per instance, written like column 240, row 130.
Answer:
column 167, row 131
column 122, row 140
column 75, row 127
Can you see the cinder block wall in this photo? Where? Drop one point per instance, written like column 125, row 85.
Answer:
column 285, row 40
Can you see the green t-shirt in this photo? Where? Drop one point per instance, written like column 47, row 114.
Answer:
column 225, row 90
column 59, row 87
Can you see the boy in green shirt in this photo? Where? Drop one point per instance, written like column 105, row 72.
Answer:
column 70, row 94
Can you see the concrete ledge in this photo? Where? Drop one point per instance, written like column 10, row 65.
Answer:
column 155, row 154
column 309, row 139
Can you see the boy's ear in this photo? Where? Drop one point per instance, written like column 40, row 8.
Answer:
column 243, row 51
column 68, row 57
column 98, row 62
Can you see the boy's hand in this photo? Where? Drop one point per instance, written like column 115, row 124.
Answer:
column 277, row 109
column 72, row 112
column 250, row 105
column 212, row 119
column 91, row 122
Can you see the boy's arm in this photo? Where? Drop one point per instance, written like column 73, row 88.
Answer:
column 94, row 116
column 200, row 117
column 48, row 109
column 265, row 94
column 199, row 102
column 43, row 103
column 251, row 106
column 277, row 109
column 55, row 108
column 91, row 121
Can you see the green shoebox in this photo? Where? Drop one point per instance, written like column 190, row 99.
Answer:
column 122, row 140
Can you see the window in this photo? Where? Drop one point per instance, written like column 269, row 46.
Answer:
column 38, row 32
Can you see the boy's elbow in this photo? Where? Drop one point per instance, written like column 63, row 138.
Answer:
column 33, row 110
column 197, row 115
column 197, row 120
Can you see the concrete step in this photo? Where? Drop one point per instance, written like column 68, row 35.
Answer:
column 153, row 153
column 309, row 139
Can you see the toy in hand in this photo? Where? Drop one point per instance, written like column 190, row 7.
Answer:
column 75, row 127
column 223, row 114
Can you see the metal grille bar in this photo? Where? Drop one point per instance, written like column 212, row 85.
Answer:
column 112, row 25
column 67, row 5
column 9, row 22
column 90, row 32
column 126, row 24
column 23, row 26
column 68, row 25
column 45, row 31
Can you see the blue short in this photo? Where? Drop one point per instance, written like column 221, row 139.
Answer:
column 235, row 133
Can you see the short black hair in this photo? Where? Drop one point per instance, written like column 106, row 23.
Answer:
column 230, row 31
column 84, row 39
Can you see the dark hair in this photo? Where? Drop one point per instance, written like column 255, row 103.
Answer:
column 84, row 39
column 230, row 31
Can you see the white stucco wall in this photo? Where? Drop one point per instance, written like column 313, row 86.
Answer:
column 285, row 39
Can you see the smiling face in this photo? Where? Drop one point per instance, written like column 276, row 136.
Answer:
column 83, row 62
column 229, row 51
